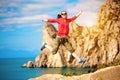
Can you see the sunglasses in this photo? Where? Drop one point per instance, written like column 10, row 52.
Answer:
column 64, row 14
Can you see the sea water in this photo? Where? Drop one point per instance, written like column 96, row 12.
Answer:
column 10, row 69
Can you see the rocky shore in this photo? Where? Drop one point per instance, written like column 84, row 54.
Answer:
column 109, row 73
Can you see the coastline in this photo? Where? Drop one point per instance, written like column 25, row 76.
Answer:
column 108, row 73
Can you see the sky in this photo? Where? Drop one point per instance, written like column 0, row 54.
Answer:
column 21, row 26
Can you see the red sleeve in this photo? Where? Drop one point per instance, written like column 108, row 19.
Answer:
column 73, row 18
column 52, row 20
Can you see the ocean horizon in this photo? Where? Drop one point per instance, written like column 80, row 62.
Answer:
column 11, row 69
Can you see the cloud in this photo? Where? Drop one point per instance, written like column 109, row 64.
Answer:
column 23, row 13
column 87, row 6
column 23, row 19
column 87, row 19
column 90, row 9
column 39, row 30
column 10, row 24
column 26, row 7
column 7, row 28
column 42, row 6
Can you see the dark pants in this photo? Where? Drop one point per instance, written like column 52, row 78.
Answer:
column 64, row 41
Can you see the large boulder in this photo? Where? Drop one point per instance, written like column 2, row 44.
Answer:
column 30, row 64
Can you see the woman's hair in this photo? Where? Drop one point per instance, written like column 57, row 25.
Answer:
column 58, row 16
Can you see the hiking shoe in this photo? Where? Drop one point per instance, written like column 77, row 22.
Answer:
column 82, row 60
column 43, row 46
column 71, row 58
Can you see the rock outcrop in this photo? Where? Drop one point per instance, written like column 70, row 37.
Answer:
column 110, row 73
column 100, row 43
column 30, row 64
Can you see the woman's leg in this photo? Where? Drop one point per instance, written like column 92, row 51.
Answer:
column 55, row 48
column 71, row 52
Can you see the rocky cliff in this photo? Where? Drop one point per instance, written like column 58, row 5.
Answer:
column 100, row 43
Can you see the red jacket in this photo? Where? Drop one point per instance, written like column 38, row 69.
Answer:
column 63, row 25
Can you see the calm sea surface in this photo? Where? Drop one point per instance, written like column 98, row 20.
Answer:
column 10, row 69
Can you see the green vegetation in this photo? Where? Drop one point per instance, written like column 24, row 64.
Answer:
column 114, row 63
column 72, row 73
column 99, row 79
column 77, row 73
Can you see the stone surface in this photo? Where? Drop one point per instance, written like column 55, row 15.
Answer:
column 24, row 65
column 30, row 64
